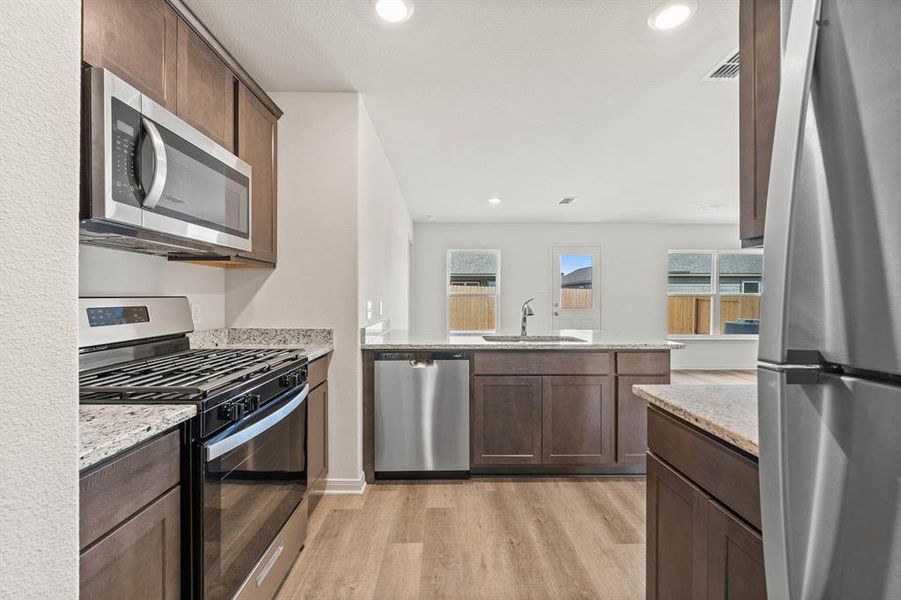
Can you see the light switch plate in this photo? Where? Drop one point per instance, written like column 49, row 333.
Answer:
column 368, row 309
column 381, row 308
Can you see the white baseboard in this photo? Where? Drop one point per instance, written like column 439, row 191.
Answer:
column 346, row 486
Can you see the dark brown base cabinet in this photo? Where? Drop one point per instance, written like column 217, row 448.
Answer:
column 130, row 525
column 561, row 411
column 317, row 431
column 697, row 547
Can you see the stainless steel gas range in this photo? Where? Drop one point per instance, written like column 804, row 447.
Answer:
column 245, row 469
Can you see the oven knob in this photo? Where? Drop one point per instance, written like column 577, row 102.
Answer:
column 233, row 411
column 285, row 380
column 251, row 402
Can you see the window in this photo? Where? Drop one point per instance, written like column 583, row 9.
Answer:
column 714, row 293
column 472, row 290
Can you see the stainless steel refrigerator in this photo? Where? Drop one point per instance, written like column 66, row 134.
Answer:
column 830, row 337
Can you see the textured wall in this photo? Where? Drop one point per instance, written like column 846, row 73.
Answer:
column 39, row 108
column 106, row 272
column 315, row 283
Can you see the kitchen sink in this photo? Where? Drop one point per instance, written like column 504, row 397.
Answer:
column 531, row 338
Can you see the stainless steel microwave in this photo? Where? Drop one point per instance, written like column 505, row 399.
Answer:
column 154, row 184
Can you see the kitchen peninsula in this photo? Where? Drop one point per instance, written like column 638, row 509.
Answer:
column 560, row 404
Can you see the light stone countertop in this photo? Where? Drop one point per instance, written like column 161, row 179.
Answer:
column 728, row 412
column 591, row 340
column 315, row 343
column 105, row 430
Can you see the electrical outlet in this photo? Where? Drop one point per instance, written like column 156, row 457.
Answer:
column 195, row 313
column 368, row 309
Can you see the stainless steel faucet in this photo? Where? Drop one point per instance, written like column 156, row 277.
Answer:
column 526, row 312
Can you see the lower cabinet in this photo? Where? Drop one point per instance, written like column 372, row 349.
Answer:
column 551, row 420
column 577, row 421
column 506, row 421
column 140, row 559
column 317, row 443
column 632, row 418
column 130, row 524
column 697, row 546
column 676, row 536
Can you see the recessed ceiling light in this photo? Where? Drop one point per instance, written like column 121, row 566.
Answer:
column 672, row 14
column 494, row 200
column 394, row 11
column 712, row 207
column 431, row 217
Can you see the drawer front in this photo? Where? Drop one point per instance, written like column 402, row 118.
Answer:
column 317, row 371
column 541, row 363
column 116, row 491
column 642, row 363
column 729, row 476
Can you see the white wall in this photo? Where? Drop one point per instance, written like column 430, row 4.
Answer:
column 633, row 277
column 40, row 49
column 106, row 272
column 315, row 282
column 385, row 231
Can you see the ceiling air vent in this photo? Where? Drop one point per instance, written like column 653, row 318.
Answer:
column 725, row 70
column 567, row 200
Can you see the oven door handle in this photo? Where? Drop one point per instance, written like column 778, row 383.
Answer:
column 217, row 449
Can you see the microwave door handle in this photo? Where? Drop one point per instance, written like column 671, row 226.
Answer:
column 155, row 190
column 217, row 449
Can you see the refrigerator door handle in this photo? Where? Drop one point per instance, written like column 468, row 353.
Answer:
column 791, row 115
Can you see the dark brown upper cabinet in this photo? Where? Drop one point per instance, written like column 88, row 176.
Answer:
column 506, row 421
column 577, row 414
column 257, row 135
column 137, row 41
column 759, row 41
column 163, row 50
column 206, row 89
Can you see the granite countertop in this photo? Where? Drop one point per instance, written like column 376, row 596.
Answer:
column 591, row 340
column 728, row 412
column 314, row 342
column 108, row 429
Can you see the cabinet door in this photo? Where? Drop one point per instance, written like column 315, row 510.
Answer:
column 317, row 443
column 506, row 420
column 206, row 88
column 141, row 560
column 136, row 40
column 632, row 419
column 257, row 147
column 577, row 415
column 677, row 536
column 759, row 41
column 734, row 558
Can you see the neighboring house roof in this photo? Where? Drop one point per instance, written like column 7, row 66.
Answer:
column 689, row 263
column 577, row 277
column 741, row 264
column 729, row 264
column 473, row 263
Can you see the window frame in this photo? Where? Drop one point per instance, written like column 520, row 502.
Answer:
column 448, row 294
column 714, row 294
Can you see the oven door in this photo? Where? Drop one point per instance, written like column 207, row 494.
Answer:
column 254, row 477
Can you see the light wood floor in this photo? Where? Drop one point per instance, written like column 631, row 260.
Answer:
column 714, row 377
column 489, row 538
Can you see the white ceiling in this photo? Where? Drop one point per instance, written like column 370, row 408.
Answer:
column 527, row 100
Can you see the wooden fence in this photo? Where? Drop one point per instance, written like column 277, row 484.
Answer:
column 473, row 312
column 688, row 315
column 575, row 298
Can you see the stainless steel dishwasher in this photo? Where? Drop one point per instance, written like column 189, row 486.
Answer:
column 421, row 414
